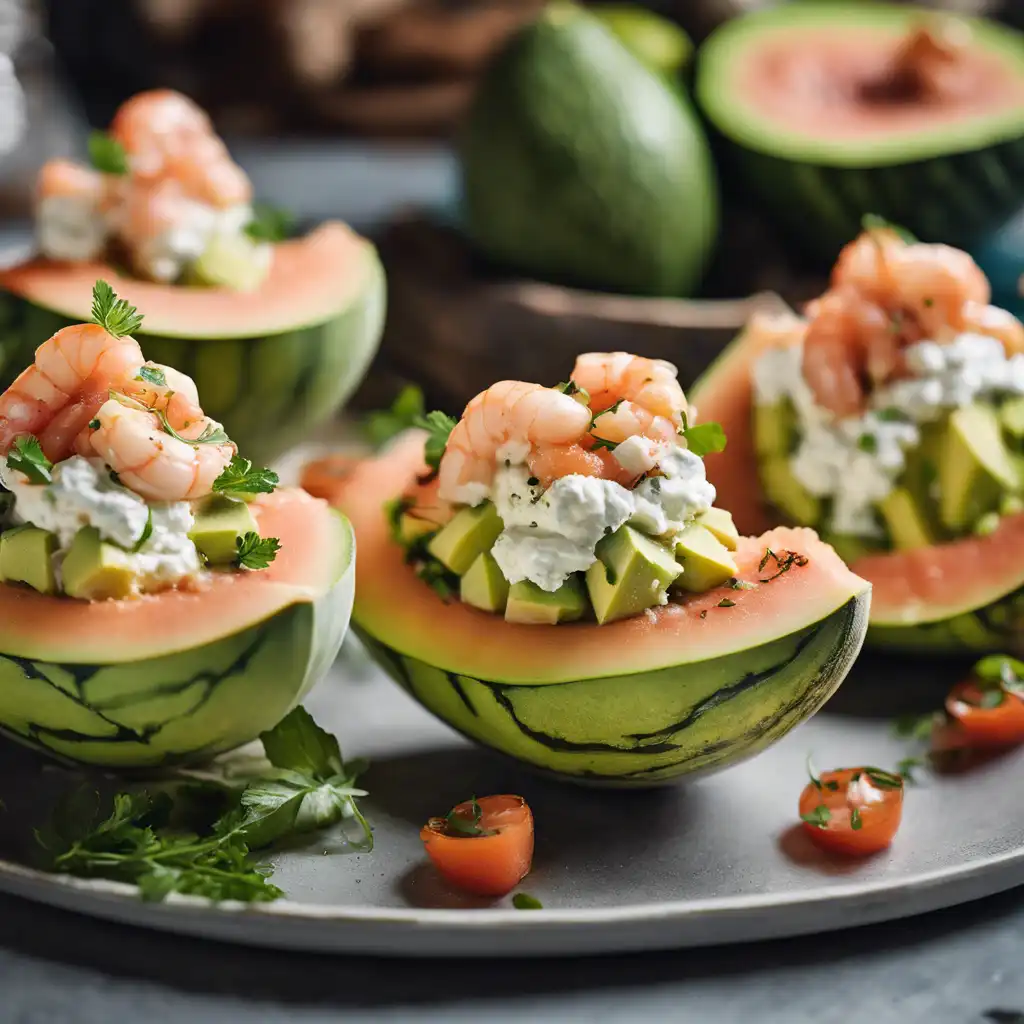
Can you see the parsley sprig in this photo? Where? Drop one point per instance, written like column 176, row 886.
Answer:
column 240, row 477
column 270, row 223
column 382, row 425
column 116, row 316
column 26, row 456
column 704, row 438
column 256, row 552
column 106, row 154
column 457, row 822
column 198, row 840
column 438, row 426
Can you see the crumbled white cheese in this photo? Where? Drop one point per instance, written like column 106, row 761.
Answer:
column 637, row 454
column 70, row 227
column 82, row 493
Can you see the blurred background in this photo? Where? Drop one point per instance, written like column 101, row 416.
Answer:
column 352, row 108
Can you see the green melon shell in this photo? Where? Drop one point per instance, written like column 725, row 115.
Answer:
column 686, row 720
column 183, row 707
column 951, row 187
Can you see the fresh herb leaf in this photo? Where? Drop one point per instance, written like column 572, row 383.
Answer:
column 917, row 727
column 468, row 826
column 784, row 561
column 147, row 531
column 114, row 315
column 524, row 901
column 213, row 433
column 269, row 223
column 892, row 415
column 819, row 817
column 393, row 512
column 882, row 779
column 571, row 388
column 736, row 584
column 153, row 375
column 726, row 603
column 907, row 766
column 256, row 552
column 868, row 443
column 600, row 442
column 991, row 699
column 26, row 456
column 855, row 820
column 438, row 426
column 382, row 425
column 106, row 154
column 765, row 558
column 705, row 438
column 240, row 477
column 873, row 222
column 298, row 744
column 999, row 670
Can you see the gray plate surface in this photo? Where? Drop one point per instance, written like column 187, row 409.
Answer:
column 717, row 861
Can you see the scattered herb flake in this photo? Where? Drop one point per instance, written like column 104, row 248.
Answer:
column 892, row 415
column 737, row 584
column 147, row 531
column 765, row 558
column 868, row 443
column 438, row 426
column 855, row 820
column 213, row 433
column 882, row 779
column 94, row 424
column 114, row 315
column 153, row 375
column 26, row 456
column 819, row 817
column 784, row 561
column 269, row 223
column 704, row 614
column 467, row 826
column 524, row 901
column 106, row 154
column 571, row 388
column 256, row 552
column 812, row 772
column 726, row 603
column 600, row 442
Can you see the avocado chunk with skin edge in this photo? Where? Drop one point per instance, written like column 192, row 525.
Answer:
column 484, row 585
column 218, row 526
column 706, row 561
column 469, row 533
column 527, row 603
column 975, row 467
column 26, row 556
column 632, row 573
column 94, row 570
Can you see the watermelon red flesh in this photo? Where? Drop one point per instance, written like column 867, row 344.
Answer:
column 908, row 587
column 311, row 281
column 393, row 605
column 316, row 551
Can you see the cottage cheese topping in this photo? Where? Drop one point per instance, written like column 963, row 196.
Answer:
column 70, row 228
column 82, row 493
column 856, row 462
column 550, row 534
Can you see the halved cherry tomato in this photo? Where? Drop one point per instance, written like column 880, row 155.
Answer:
column 484, row 846
column 324, row 476
column 854, row 811
column 986, row 716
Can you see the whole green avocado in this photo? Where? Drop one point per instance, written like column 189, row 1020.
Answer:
column 580, row 165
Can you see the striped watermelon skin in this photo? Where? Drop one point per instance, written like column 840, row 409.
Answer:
column 269, row 391
column 646, row 728
column 954, row 199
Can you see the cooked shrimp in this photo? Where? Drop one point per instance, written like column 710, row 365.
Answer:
column 997, row 323
column 77, row 362
column 930, row 284
column 849, row 343
column 153, row 463
column 71, row 203
column 510, row 413
column 64, row 178
column 652, row 384
column 177, row 398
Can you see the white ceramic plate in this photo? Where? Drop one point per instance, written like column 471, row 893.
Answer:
column 717, row 861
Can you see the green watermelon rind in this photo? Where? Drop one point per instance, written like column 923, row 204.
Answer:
column 949, row 186
column 181, row 706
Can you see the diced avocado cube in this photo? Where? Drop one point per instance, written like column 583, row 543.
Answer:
column 470, row 533
column 411, row 527
column 528, row 603
column 975, row 467
column 233, row 261
column 632, row 573
column 774, row 428
column 908, row 527
column 484, row 585
column 1011, row 416
column 96, row 571
column 787, row 494
column 218, row 525
column 706, row 561
column 720, row 523
column 26, row 556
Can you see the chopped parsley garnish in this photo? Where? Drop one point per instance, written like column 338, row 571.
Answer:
column 868, row 443
column 147, row 531
column 195, row 838
column 240, row 477
column 784, row 561
column 214, row 433
column 404, row 412
column 436, row 576
column 114, row 315
column 438, row 426
column 572, row 389
column 736, row 584
column 873, row 222
column 907, row 766
column 256, row 552
column 882, row 779
column 524, row 901
column 704, row 614
column 269, row 223
column 855, row 820
column 26, row 456
column 393, row 512
column 704, row 438
column 153, row 375
column 892, row 415
column 600, row 442
column 605, row 412
column 106, row 154
column 726, row 603
column 468, row 825
column 819, row 817
column 94, row 424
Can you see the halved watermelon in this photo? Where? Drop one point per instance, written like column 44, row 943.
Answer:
column 270, row 365
column 966, row 595
column 181, row 675
column 694, row 686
